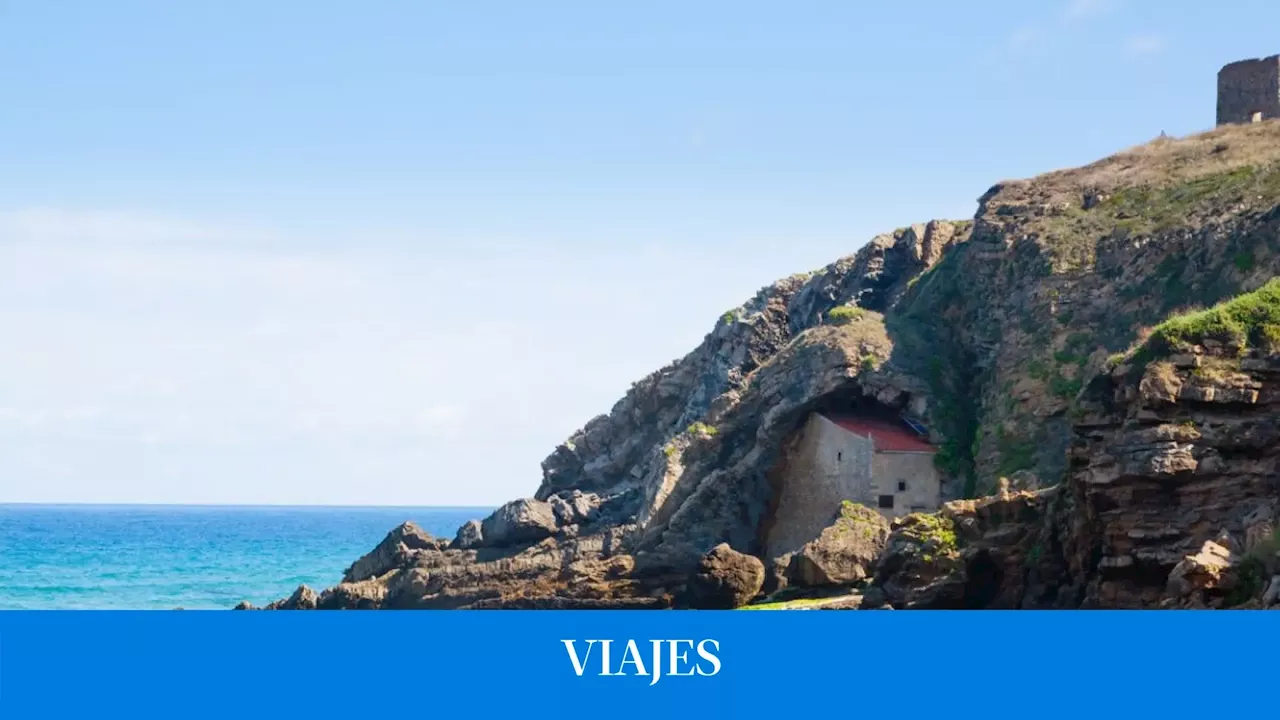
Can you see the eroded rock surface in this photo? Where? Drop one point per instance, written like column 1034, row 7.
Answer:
column 1092, row 483
column 725, row 579
column 845, row 553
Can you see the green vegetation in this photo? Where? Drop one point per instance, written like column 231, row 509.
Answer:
column 870, row 363
column 1250, row 319
column 701, row 428
column 1052, row 374
column 844, row 314
column 858, row 519
column 1039, row 370
column 1244, row 261
column 1033, row 555
column 1016, row 453
column 669, row 450
column 1070, row 235
column 796, row 604
column 924, row 332
column 1231, row 322
column 729, row 317
column 954, row 412
column 1269, row 338
column 1076, row 349
column 1256, row 569
column 935, row 534
column 1066, row 388
column 1145, row 208
column 857, row 511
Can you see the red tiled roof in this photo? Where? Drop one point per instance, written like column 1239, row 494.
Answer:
column 888, row 436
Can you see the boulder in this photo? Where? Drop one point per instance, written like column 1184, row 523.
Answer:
column 572, row 508
column 1210, row 569
column 845, row 552
column 470, row 535
column 725, row 579
column 519, row 522
column 390, row 552
column 304, row 598
column 921, row 567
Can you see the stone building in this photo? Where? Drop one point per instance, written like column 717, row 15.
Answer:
column 880, row 463
column 1249, row 91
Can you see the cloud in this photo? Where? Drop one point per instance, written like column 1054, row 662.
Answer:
column 272, row 368
column 1079, row 9
column 111, row 227
column 1149, row 44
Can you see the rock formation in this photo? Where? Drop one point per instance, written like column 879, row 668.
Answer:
column 1092, row 461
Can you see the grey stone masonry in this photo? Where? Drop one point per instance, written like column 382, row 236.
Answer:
column 1249, row 91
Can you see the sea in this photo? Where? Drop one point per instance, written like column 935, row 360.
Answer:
column 163, row 557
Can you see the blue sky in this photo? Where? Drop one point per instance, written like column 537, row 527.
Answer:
column 393, row 252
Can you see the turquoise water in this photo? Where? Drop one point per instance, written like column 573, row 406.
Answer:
column 140, row 557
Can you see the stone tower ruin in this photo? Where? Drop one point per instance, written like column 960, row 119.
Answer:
column 1249, row 91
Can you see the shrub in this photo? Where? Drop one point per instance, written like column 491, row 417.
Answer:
column 844, row 314
column 1065, row 387
column 701, row 428
column 1256, row 569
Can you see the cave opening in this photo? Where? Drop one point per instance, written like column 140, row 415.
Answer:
column 984, row 580
column 846, row 447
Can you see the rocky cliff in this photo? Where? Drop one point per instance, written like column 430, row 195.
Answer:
column 1048, row 345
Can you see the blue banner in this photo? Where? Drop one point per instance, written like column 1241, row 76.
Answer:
column 657, row 664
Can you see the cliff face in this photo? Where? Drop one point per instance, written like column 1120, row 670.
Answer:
column 1170, row 497
column 1001, row 332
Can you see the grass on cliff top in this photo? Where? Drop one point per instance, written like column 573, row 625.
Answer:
column 1199, row 164
column 1150, row 189
column 1248, row 320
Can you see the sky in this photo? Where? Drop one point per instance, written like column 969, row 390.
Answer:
column 392, row 253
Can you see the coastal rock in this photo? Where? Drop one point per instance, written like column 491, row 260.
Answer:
column 983, row 553
column 304, row 598
column 1207, row 570
column 725, row 579
column 362, row 595
column 574, row 507
column 1023, row 342
column 1182, row 494
column 390, row 552
column 470, row 535
column 519, row 522
column 845, row 552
